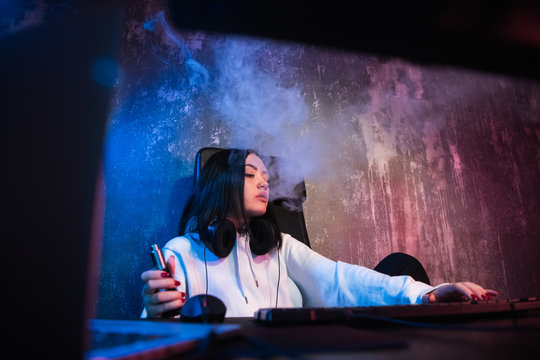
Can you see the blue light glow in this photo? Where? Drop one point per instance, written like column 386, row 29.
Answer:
column 105, row 71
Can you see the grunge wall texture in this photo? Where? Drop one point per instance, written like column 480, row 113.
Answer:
column 439, row 162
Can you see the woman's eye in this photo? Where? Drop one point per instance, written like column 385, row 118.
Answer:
column 250, row 175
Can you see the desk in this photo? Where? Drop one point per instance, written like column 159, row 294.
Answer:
column 493, row 338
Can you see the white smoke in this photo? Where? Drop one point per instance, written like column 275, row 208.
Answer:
column 260, row 99
column 260, row 112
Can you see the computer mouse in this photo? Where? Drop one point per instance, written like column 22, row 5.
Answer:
column 203, row 309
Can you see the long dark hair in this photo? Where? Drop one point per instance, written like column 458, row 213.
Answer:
column 219, row 193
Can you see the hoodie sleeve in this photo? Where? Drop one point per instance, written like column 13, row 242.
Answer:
column 327, row 283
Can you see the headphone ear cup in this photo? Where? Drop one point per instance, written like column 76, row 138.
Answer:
column 219, row 237
column 264, row 236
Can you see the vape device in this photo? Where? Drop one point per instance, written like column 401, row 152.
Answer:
column 160, row 264
column 158, row 259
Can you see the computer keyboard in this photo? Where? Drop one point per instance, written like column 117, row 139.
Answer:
column 424, row 312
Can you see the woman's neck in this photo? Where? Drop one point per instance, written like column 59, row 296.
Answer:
column 238, row 222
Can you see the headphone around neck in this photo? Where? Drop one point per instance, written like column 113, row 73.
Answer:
column 220, row 236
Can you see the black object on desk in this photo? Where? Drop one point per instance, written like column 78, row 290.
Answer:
column 489, row 335
column 203, row 308
column 431, row 312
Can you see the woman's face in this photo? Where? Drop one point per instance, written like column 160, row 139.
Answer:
column 256, row 190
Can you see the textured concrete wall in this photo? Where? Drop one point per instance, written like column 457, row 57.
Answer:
column 441, row 163
column 437, row 162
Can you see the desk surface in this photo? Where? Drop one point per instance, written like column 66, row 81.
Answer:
column 492, row 338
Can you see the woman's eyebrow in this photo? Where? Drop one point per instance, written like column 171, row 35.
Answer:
column 255, row 168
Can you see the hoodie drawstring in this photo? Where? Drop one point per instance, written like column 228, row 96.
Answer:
column 248, row 251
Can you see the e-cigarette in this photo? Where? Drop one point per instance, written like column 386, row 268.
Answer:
column 158, row 259
column 160, row 264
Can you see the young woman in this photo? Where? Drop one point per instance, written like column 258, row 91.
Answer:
column 231, row 248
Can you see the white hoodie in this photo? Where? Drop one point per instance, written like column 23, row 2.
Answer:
column 295, row 276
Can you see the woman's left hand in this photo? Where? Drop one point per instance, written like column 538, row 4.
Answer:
column 460, row 291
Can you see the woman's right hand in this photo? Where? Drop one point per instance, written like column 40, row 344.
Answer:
column 156, row 301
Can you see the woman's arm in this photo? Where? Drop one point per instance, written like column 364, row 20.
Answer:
column 324, row 282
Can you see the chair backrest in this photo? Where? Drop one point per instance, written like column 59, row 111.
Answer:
column 288, row 212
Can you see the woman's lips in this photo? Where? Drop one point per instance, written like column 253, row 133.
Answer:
column 262, row 197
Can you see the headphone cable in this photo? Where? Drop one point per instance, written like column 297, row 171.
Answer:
column 278, row 278
column 205, row 268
